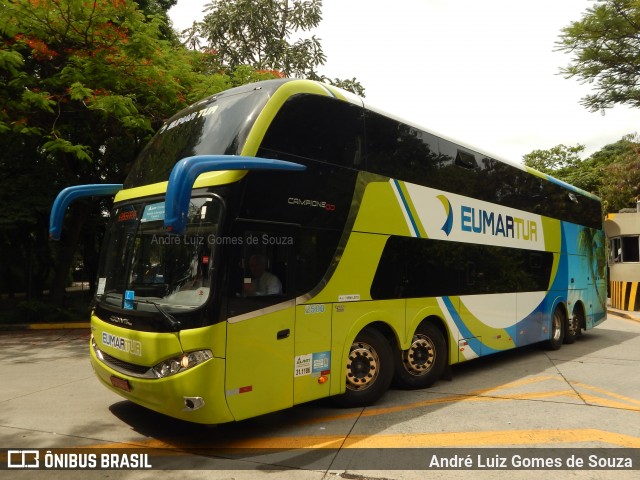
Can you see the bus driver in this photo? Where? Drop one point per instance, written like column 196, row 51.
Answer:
column 262, row 282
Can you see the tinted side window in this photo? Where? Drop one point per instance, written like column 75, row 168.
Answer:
column 412, row 267
column 571, row 207
column 399, row 151
column 314, row 255
column 318, row 128
column 461, row 176
column 260, row 268
column 268, row 264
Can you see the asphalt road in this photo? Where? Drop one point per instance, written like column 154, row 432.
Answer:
column 582, row 401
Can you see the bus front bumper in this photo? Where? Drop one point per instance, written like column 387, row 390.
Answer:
column 196, row 395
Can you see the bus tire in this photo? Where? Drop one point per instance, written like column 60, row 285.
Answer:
column 424, row 362
column 558, row 323
column 573, row 327
column 369, row 369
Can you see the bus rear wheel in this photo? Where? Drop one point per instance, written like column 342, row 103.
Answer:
column 558, row 323
column 573, row 327
column 369, row 369
column 423, row 363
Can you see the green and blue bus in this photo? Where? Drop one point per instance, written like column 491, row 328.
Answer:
column 283, row 241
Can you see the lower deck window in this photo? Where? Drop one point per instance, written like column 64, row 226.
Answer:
column 413, row 267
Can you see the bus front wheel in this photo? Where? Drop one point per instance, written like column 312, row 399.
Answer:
column 369, row 369
column 424, row 362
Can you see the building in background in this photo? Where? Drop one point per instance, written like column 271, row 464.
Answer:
column 623, row 233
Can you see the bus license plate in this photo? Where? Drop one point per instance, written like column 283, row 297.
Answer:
column 120, row 383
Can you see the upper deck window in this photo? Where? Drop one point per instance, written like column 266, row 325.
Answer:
column 318, row 128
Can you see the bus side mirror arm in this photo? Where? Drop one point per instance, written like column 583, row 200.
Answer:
column 187, row 170
column 68, row 195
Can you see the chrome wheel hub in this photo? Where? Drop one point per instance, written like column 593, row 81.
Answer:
column 557, row 327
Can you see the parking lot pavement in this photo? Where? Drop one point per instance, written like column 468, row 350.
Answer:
column 585, row 395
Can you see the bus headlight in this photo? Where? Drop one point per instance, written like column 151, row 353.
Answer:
column 174, row 365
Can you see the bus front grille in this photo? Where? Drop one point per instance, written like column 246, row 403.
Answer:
column 121, row 366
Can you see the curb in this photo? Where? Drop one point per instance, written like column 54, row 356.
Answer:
column 45, row 326
column 635, row 316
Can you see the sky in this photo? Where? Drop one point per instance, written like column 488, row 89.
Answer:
column 485, row 73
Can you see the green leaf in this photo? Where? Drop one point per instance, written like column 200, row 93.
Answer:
column 118, row 106
column 81, row 152
column 39, row 100
column 10, row 61
column 77, row 91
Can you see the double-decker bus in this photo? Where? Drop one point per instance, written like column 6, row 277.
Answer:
column 282, row 242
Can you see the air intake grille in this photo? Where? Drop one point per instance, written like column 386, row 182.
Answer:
column 125, row 367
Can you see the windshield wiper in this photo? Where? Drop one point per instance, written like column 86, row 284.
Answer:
column 170, row 321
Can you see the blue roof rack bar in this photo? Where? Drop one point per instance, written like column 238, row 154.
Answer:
column 68, row 195
column 187, row 170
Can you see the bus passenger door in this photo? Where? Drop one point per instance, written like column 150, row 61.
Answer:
column 260, row 322
column 312, row 363
column 258, row 372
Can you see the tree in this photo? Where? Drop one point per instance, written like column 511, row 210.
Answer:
column 161, row 9
column 83, row 86
column 260, row 33
column 555, row 160
column 612, row 173
column 155, row 7
column 621, row 175
column 605, row 46
column 565, row 163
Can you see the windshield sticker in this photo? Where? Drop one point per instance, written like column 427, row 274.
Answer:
column 102, row 282
column 205, row 112
column 128, row 299
column 153, row 213
column 127, row 215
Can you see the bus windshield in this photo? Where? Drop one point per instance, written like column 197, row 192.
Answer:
column 141, row 264
column 216, row 126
